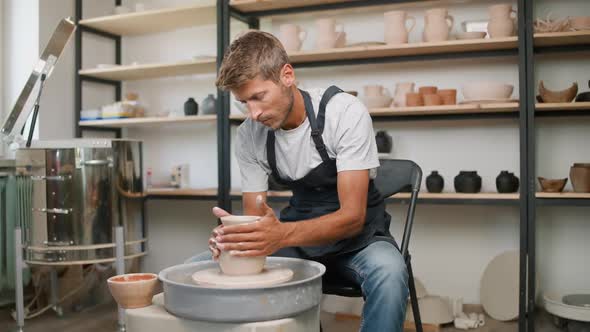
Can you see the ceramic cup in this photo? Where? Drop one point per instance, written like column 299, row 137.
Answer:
column 133, row 290
column 233, row 265
column 432, row 100
column 292, row 37
column 414, row 99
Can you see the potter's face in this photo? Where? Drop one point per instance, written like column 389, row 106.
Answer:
column 268, row 102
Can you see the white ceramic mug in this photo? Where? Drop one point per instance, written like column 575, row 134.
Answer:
column 292, row 36
column 232, row 265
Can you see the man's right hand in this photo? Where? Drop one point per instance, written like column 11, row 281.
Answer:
column 212, row 242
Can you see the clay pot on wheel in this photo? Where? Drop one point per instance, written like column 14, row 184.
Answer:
column 507, row 182
column 467, row 182
column 580, row 177
column 434, row 182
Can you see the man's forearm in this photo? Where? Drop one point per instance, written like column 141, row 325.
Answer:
column 323, row 230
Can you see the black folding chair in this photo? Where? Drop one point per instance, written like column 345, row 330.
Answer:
column 393, row 176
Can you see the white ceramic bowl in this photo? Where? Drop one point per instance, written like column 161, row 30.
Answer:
column 487, row 91
column 471, row 35
column 377, row 102
column 232, row 265
column 133, row 290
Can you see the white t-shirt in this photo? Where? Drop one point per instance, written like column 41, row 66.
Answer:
column 348, row 136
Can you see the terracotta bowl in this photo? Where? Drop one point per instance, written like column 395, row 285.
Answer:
column 133, row 290
column 558, row 96
column 232, row 265
column 552, row 185
column 487, row 90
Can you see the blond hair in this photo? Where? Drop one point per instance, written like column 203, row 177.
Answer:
column 255, row 53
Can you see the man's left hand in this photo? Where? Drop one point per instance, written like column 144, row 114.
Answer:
column 261, row 238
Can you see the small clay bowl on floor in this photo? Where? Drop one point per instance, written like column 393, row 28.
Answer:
column 427, row 90
column 552, row 185
column 432, row 100
column 449, row 96
column 414, row 99
column 133, row 290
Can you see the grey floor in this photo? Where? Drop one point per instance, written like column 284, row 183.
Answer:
column 104, row 318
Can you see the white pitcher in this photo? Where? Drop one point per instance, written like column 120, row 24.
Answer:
column 329, row 34
column 437, row 25
column 396, row 31
column 292, row 37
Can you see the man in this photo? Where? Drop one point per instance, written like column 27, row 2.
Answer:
column 320, row 144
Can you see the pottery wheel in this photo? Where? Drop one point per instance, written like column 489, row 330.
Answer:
column 213, row 277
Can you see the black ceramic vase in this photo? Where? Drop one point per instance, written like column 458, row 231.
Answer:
column 208, row 105
column 507, row 182
column 191, row 107
column 467, row 182
column 384, row 142
column 434, row 182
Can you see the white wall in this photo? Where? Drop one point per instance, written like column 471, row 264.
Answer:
column 451, row 245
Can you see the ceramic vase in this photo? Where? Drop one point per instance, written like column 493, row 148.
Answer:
column 507, row 182
column 437, row 25
column 191, row 107
column 467, row 182
column 208, row 105
column 396, row 30
column 434, row 182
column 580, row 177
column 501, row 24
column 292, row 37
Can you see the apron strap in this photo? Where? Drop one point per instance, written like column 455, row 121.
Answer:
column 318, row 129
column 270, row 153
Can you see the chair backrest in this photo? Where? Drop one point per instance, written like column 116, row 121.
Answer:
column 397, row 175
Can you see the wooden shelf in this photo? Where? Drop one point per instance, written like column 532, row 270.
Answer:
column 147, row 121
column 562, row 38
column 151, row 21
column 251, row 6
column 422, row 48
column 172, row 192
column 563, row 195
column 459, row 196
column 147, row 71
column 446, row 109
column 577, row 106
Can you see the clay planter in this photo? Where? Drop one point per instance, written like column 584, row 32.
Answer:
column 563, row 96
column 432, row 100
column 552, row 185
column 133, row 290
column 507, row 182
column 427, row 90
column 448, row 96
column 384, row 142
column 233, row 265
column 434, row 182
column 467, row 182
column 580, row 177
column 414, row 99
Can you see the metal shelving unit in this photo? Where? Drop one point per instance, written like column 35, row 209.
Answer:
column 524, row 46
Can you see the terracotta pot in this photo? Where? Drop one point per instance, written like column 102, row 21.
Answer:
column 437, row 25
column 133, row 290
column 580, row 177
column 292, row 37
column 449, row 96
column 396, row 31
column 329, row 34
column 432, row 100
column 414, row 99
column 427, row 90
column 500, row 23
column 552, row 185
column 401, row 89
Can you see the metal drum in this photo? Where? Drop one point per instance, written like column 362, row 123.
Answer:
column 81, row 189
column 184, row 298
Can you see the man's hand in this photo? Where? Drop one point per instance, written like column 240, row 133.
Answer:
column 261, row 238
column 212, row 243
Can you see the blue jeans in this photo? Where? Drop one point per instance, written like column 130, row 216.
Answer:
column 380, row 271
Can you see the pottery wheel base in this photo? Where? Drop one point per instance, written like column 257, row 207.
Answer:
column 269, row 276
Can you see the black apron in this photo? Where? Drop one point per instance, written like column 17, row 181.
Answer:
column 316, row 193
